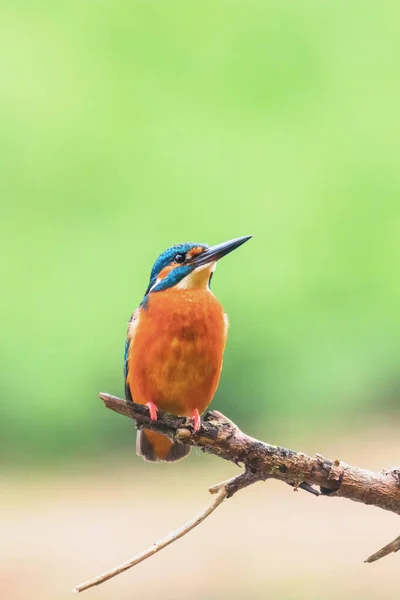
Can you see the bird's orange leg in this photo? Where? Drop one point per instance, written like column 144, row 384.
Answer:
column 152, row 410
column 196, row 419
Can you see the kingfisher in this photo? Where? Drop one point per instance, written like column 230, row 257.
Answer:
column 175, row 342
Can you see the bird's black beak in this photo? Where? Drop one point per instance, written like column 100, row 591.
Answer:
column 214, row 253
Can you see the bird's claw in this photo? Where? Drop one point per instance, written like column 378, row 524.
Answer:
column 153, row 410
column 196, row 420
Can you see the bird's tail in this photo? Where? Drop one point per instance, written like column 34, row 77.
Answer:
column 155, row 446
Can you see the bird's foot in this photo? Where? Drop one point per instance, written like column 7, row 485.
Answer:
column 196, row 420
column 153, row 410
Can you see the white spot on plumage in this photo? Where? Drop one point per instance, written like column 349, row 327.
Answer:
column 157, row 281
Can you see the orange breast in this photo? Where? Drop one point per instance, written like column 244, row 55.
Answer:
column 176, row 350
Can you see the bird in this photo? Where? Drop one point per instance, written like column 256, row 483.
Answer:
column 175, row 342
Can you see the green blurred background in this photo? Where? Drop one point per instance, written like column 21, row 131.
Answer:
column 127, row 127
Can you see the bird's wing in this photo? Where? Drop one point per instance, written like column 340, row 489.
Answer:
column 132, row 325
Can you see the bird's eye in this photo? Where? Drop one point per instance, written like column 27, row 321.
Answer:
column 180, row 258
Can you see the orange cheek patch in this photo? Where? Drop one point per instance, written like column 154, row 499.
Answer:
column 195, row 251
column 165, row 271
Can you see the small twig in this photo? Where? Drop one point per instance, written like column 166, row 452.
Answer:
column 388, row 549
column 235, row 484
column 157, row 546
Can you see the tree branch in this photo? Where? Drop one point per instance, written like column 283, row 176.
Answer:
column 221, row 437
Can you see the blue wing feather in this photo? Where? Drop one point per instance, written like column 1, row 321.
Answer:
column 129, row 339
column 126, row 354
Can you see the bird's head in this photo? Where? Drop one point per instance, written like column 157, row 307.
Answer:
column 189, row 265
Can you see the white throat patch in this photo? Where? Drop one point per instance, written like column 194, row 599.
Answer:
column 197, row 279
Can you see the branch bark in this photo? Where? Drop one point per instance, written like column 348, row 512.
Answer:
column 261, row 461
